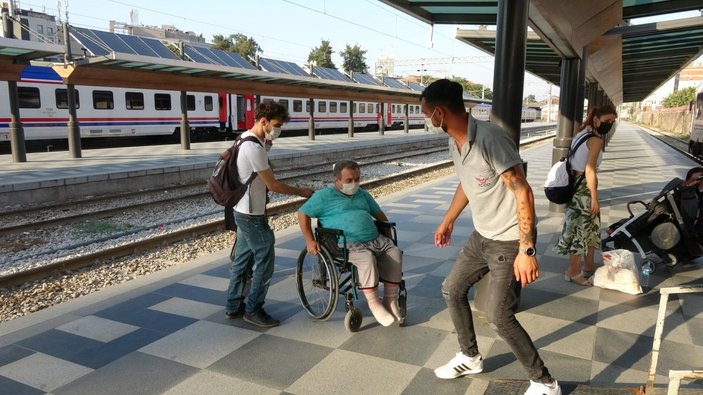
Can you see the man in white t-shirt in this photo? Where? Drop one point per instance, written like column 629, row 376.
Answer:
column 255, row 239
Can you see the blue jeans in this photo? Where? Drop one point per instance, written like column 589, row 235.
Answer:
column 479, row 256
column 255, row 240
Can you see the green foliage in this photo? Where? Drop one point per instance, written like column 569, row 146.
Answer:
column 354, row 59
column 238, row 43
column 473, row 88
column 322, row 56
column 680, row 98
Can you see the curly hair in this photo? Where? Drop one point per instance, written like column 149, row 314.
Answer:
column 272, row 110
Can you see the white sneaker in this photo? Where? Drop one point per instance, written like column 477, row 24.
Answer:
column 543, row 389
column 460, row 365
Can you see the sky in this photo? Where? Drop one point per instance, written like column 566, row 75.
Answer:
column 290, row 29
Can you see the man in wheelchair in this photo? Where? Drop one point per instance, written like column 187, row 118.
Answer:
column 353, row 210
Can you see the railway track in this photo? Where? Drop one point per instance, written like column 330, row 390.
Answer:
column 79, row 260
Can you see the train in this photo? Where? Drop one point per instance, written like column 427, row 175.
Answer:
column 126, row 112
column 482, row 111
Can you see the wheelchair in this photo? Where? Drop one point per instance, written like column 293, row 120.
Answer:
column 321, row 278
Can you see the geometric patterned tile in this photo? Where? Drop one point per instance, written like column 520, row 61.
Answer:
column 186, row 308
column 211, row 383
column 200, row 344
column 43, row 371
column 97, row 328
column 372, row 375
column 209, row 282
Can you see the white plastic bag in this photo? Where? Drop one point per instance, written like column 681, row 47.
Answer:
column 619, row 272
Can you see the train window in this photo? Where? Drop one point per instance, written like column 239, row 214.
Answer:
column 369, row 107
column 343, row 107
column 267, row 100
column 190, row 102
column 134, row 100
column 62, row 98
column 28, row 97
column 284, row 103
column 208, row 103
column 333, row 106
column 103, row 100
column 362, row 108
column 322, row 106
column 412, row 109
column 162, row 101
column 297, row 106
column 307, row 106
column 699, row 105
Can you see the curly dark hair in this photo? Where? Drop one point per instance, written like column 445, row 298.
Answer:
column 272, row 110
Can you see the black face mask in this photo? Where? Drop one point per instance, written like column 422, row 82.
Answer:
column 604, row 128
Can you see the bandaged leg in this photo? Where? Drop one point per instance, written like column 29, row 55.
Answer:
column 383, row 316
column 390, row 299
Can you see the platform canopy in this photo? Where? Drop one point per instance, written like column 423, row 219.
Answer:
column 15, row 54
column 129, row 61
column 628, row 61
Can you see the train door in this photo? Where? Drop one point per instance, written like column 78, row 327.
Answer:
column 225, row 114
column 245, row 112
column 389, row 114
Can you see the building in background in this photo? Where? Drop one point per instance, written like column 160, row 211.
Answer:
column 30, row 25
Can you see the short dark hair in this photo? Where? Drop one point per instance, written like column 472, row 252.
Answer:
column 344, row 164
column 445, row 93
column 271, row 110
column 694, row 171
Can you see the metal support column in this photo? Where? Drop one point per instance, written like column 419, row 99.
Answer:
column 381, row 119
column 17, row 142
column 567, row 106
column 311, row 120
column 185, row 128
column 509, row 69
column 74, row 130
column 592, row 92
column 350, row 132
column 406, row 121
column 508, row 83
column 580, row 91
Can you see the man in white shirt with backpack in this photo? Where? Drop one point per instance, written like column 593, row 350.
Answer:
column 255, row 239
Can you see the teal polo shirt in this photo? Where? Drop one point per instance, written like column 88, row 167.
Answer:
column 352, row 214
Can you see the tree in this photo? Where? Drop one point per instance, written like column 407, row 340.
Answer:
column 354, row 59
column 238, row 43
column 680, row 98
column 474, row 89
column 322, row 56
column 530, row 99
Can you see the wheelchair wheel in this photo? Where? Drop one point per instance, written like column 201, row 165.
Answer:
column 317, row 283
column 352, row 320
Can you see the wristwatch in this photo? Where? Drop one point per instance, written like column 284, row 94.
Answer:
column 529, row 251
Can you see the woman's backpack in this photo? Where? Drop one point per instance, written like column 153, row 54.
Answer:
column 561, row 184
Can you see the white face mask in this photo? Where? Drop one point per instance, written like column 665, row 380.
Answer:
column 350, row 189
column 430, row 125
column 274, row 133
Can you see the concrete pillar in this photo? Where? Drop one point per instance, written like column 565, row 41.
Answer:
column 381, row 116
column 17, row 141
column 406, row 121
column 74, row 130
column 580, row 90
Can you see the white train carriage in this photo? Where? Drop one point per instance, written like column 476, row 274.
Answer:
column 103, row 111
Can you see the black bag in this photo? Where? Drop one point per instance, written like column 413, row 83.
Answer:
column 224, row 185
column 561, row 184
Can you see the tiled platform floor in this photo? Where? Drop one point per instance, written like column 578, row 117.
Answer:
column 166, row 333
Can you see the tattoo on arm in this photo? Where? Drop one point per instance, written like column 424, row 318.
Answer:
column 516, row 182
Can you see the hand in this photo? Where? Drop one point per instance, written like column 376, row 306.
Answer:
column 306, row 192
column 312, row 246
column 526, row 269
column 595, row 206
column 443, row 235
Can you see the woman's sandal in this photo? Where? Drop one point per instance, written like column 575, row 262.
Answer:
column 579, row 279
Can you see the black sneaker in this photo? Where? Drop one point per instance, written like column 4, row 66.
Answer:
column 261, row 319
column 230, row 315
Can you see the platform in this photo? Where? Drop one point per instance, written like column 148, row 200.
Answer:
column 166, row 332
column 55, row 176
